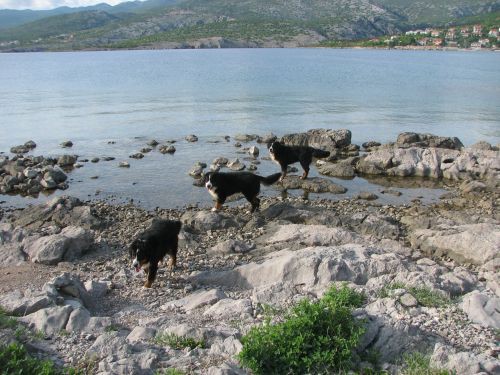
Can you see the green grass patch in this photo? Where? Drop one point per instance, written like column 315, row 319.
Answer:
column 178, row 342
column 424, row 295
column 314, row 338
column 420, row 364
column 14, row 360
column 6, row 321
column 169, row 371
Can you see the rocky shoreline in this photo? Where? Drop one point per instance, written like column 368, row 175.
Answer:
column 429, row 272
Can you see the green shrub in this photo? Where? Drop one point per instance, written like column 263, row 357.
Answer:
column 178, row 342
column 14, row 360
column 315, row 337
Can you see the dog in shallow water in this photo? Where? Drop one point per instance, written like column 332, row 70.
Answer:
column 222, row 185
column 286, row 155
column 151, row 246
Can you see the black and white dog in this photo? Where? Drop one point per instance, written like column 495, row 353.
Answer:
column 286, row 155
column 221, row 185
column 151, row 246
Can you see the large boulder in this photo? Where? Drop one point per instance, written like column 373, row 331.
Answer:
column 26, row 302
column 460, row 242
column 313, row 185
column 325, row 139
column 482, row 309
column 207, row 220
column 50, row 320
column 69, row 244
column 409, row 139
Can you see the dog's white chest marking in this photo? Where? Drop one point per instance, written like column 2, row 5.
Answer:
column 273, row 158
column 211, row 189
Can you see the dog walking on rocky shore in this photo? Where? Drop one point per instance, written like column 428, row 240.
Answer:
column 286, row 155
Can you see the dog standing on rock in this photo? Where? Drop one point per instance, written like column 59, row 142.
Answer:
column 151, row 246
column 286, row 155
column 221, row 185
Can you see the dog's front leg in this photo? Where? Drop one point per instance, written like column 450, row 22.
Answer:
column 172, row 262
column 153, row 269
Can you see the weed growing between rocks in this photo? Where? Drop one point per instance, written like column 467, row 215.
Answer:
column 425, row 296
column 178, row 342
column 170, row 371
column 6, row 321
column 420, row 364
column 315, row 337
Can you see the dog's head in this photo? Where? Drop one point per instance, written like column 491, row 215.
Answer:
column 274, row 147
column 210, row 180
column 138, row 252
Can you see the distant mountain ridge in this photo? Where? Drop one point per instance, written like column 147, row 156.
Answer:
column 225, row 23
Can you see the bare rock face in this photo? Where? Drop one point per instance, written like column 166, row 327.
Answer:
column 460, row 242
column 313, row 185
column 409, row 139
column 482, row 309
column 70, row 244
column 325, row 139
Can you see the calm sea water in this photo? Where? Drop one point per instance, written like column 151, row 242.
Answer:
column 130, row 97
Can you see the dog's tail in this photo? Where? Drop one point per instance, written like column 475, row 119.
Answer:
column 269, row 180
column 317, row 153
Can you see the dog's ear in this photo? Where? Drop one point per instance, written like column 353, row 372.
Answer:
column 132, row 248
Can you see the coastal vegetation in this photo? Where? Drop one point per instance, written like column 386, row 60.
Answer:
column 315, row 337
column 188, row 23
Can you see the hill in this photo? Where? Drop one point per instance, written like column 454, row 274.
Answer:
column 230, row 23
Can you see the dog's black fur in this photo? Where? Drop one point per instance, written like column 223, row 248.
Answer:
column 286, row 155
column 151, row 246
column 221, row 185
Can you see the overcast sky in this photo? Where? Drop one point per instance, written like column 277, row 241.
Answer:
column 50, row 4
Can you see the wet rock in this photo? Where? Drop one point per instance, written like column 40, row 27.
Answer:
column 220, row 161
column 267, row 138
column 237, row 144
column 167, row 149
column 341, row 169
column 153, row 143
column 124, row 164
column 67, row 144
column 192, row 138
column 137, row 155
column 325, row 139
column 313, row 185
column 367, row 196
column 95, row 160
column 245, row 137
column 21, row 149
column 67, row 160
column 396, row 193
column 197, row 170
column 55, row 174
column 408, row 139
column 482, row 309
column 30, row 144
column 370, row 145
column 254, row 151
column 236, row 165
column 145, row 150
